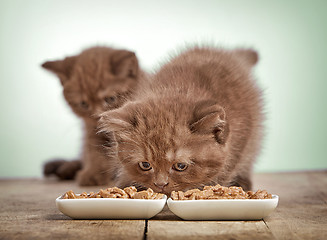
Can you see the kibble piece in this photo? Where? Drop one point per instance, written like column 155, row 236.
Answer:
column 119, row 193
column 106, row 194
column 260, row 194
column 191, row 194
column 250, row 194
column 69, row 195
column 142, row 195
column 150, row 191
column 174, row 195
column 92, row 195
column 130, row 191
column 83, row 195
column 205, row 194
column 222, row 192
column 178, row 195
column 237, row 193
column 157, row 196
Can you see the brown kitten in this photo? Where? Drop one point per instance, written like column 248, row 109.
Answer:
column 98, row 79
column 198, row 123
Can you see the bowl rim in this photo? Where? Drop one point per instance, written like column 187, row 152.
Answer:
column 110, row 199
column 274, row 198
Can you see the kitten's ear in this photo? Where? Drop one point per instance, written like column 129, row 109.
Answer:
column 117, row 120
column 124, row 64
column 210, row 118
column 248, row 56
column 62, row 68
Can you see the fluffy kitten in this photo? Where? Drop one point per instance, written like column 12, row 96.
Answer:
column 198, row 123
column 98, row 79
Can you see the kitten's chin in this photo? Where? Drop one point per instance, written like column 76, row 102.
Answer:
column 141, row 187
column 166, row 191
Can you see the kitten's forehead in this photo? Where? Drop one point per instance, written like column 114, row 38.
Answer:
column 181, row 154
column 170, row 155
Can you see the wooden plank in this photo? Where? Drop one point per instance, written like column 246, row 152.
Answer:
column 302, row 210
column 208, row 230
column 34, row 227
column 166, row 225
column 28, row 211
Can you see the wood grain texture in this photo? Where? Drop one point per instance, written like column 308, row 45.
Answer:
column 208, row 230
column 302, row 209
column 28, row 211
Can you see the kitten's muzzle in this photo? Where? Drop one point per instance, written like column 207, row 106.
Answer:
column 161, row 185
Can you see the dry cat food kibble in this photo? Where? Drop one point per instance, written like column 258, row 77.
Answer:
column 219, row 192
column 127, row 193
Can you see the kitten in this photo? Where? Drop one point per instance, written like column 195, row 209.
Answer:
column 98, row 79
column 199, row 122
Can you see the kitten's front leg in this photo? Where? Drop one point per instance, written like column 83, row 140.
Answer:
column 92, row 177
column 243, row 181
column 95, row 167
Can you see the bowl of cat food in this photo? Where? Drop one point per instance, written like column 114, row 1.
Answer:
column 112, row 203
column 222, row 203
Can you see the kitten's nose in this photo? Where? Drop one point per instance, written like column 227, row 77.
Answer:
column 161, row 184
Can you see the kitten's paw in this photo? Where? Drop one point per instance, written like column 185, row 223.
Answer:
column 69, row 169
column 91, row 178
column 52, row 166
column 241, row 181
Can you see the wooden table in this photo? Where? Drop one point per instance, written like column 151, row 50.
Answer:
column 28, row 211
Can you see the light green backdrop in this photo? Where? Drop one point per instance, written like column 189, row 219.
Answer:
column 291, row 37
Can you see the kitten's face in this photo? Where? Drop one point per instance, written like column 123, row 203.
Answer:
column 163, row 152
column 97, row 80
column 90, row 95
column 186, row 162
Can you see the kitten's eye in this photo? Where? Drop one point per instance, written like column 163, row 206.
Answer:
column 180, row 166
column 145, row 166
column 110, row 100
column 84, row 105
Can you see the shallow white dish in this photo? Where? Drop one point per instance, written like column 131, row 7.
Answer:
column 110, row 208
column 232, row 209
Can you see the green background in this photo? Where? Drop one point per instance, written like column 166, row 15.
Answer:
column 290, row 36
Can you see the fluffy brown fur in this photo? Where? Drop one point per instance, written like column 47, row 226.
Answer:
column 98, row 79
column 198, row 123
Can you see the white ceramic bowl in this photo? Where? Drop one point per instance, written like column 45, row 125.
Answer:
column 110, row 208
column 231, row 209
